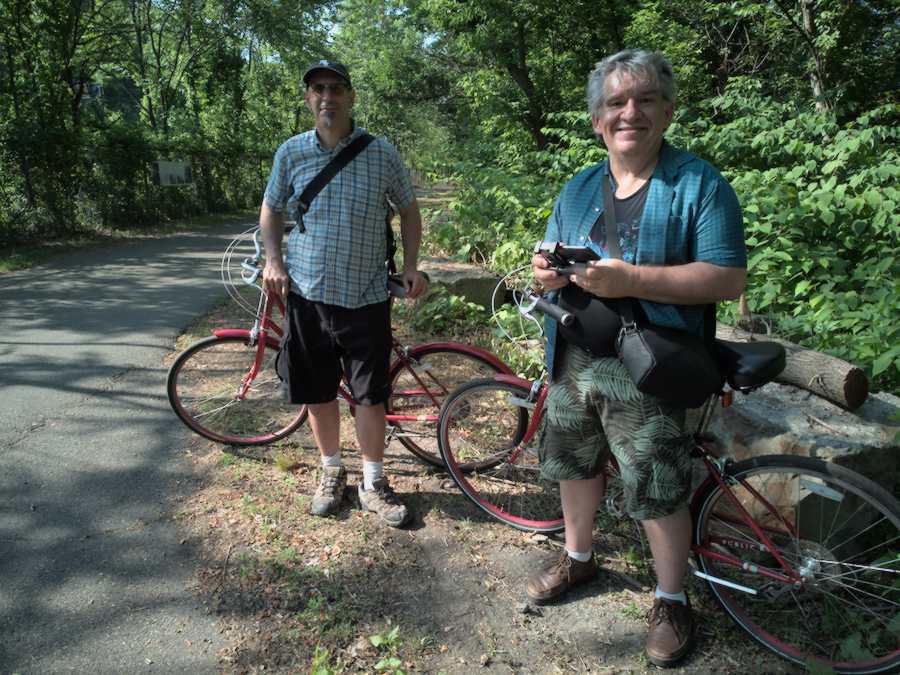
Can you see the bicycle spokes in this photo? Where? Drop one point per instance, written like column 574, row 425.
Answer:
column 807, row 562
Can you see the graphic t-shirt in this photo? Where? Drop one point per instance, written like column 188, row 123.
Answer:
column 628, row 212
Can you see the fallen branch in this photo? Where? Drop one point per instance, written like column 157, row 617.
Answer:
column 224, row 572
column 827, row 376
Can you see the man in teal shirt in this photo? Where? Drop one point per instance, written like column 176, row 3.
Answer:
column 681, row 233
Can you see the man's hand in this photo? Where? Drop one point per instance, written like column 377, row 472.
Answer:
column 607, row 278
column 415, row 283
column 545, row 275
column 271, row 224
column 275, row 278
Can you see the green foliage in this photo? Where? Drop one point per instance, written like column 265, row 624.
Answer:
column 496, row 217
column 822, row 228
column 322, row 665
column 399, row 81
column 92, row 94
column 517, row 342
column 388, row 644
column 442, row 313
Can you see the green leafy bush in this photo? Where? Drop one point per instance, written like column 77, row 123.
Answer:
column 442, row 313
column 822, row 228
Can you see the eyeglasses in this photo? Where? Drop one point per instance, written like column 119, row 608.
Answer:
column 336, row 88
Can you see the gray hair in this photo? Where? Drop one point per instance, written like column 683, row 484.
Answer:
column 650, row 67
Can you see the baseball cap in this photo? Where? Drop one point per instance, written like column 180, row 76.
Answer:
column 333, row 66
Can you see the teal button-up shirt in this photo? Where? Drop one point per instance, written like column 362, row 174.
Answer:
column 691, row 215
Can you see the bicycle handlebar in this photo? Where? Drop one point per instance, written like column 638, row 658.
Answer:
column 254, row 272
column 535, row 301
column 252, row 265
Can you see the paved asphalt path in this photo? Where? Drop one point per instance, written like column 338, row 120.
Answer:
column 93, row 577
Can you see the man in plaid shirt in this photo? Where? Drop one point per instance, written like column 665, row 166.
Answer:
column 334, row 281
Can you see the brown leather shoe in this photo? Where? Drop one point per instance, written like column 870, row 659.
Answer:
column 553, row 581
column 671, row 633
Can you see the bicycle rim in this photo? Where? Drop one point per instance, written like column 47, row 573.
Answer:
column 484, row 425
column 203, row 386
column 839, row 531
column 420, row 392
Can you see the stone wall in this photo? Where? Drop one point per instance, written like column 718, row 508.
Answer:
column 782, row 419
column 474, row 283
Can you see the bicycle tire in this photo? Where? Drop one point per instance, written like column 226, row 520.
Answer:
column 441, row 367
column 202, row 384
column 840, row 530
column 484, row 425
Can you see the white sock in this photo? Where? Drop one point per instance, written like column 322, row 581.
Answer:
column 674, row 597
column 332, row 460
column 372, row 471
column 580, row 557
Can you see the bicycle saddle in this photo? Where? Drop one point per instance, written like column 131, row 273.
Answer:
column 748, row 365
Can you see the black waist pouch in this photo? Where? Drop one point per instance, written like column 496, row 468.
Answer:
column 671, row 364
column 597, row 321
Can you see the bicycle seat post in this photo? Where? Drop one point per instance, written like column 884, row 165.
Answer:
column 707, row 411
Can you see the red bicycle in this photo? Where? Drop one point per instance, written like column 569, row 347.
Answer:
column 226, row 389
column 803, row 554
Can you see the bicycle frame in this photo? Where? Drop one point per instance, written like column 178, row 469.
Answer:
column 717, row 472
column 425, row 389
column 266, row 331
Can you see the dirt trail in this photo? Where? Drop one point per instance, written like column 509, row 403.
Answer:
column 452, row 584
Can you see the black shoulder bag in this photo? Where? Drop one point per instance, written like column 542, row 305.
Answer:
column 329, row 171
column 668, row 363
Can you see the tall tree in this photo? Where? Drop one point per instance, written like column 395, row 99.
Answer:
column 529, row 57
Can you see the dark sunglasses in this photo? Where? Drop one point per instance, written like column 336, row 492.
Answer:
column 336, row 88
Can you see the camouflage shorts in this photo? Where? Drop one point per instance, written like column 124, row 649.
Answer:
column 592, row 409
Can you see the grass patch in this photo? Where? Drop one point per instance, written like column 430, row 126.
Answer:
column 633, row 611
column 287, row 462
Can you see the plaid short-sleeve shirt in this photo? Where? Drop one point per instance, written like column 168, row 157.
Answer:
column 339, row 259
column 691, row 214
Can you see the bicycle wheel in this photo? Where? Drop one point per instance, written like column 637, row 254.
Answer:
column 203, row 387
column 838, row 531
column 485, row 425
column 419, row 389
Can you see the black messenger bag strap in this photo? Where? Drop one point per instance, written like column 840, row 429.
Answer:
column 612, row 245
column 329, row 171
column 609, row 216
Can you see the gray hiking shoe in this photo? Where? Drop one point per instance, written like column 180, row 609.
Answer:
column 330, row 491
column 384, row 501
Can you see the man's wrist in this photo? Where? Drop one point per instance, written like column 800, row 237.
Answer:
column 636, row 282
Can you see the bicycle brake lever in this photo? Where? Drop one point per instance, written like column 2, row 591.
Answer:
column 254, row 270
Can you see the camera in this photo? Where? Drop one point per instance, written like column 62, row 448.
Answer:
column 562, row 257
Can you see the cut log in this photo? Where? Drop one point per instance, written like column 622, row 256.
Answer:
column 826, row 376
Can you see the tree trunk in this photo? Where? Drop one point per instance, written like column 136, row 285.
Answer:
column 826, row 376
column 22, row 157
column 817, row 71
column 518, row 71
